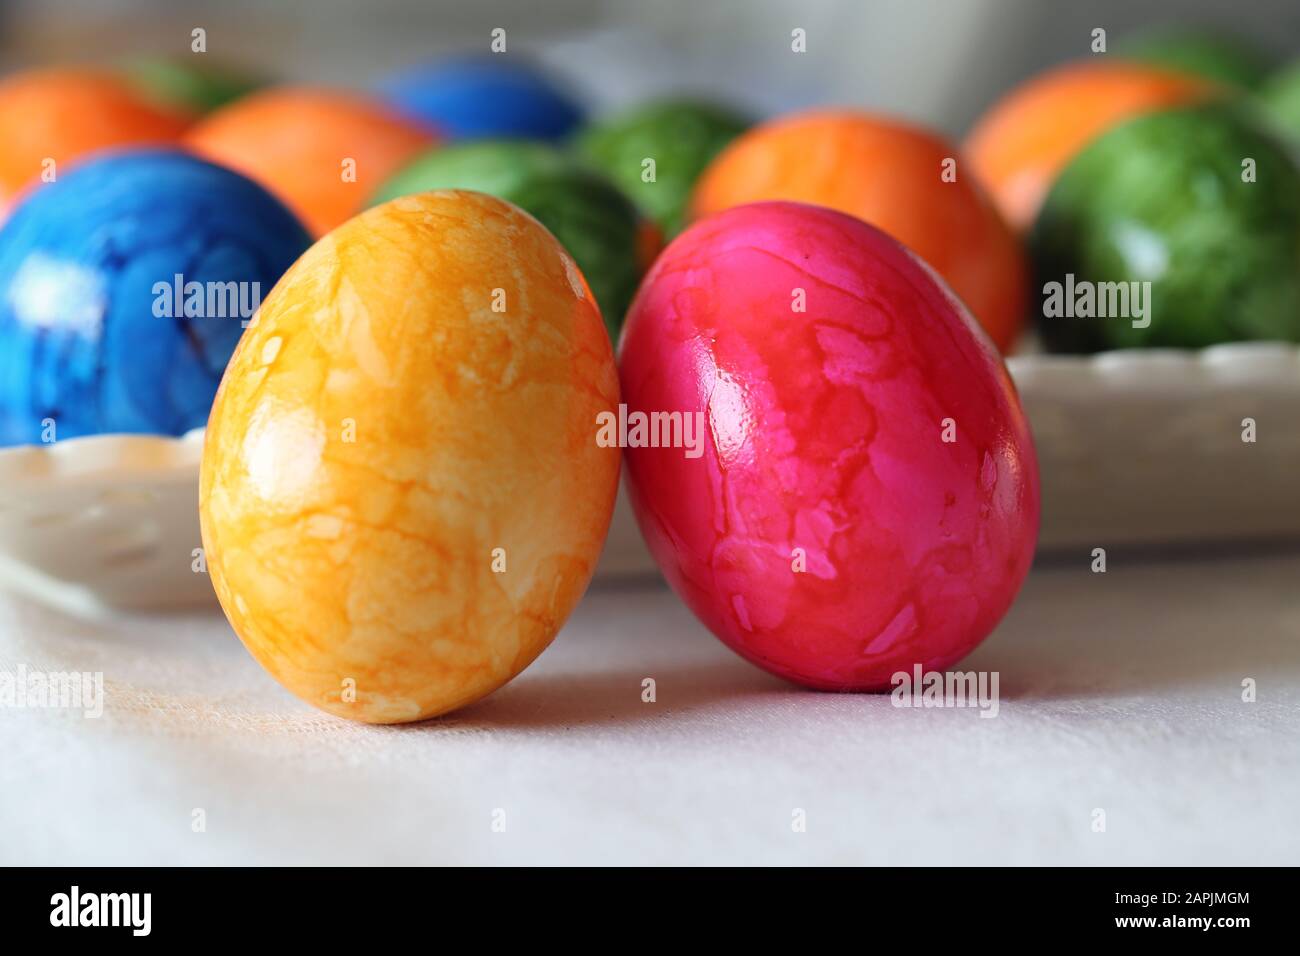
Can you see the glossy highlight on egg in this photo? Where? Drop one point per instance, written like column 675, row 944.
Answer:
column 402, row 496
column 868, row 497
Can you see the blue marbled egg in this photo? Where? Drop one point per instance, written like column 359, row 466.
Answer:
column 124, row 288
column 484, row 96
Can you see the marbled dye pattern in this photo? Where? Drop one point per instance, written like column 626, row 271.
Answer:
column 81, row 340
column 892, row 175
column 371, row 560
column 824, row 433
column 295, row 141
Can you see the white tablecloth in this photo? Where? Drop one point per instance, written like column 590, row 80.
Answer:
column 1119, row 691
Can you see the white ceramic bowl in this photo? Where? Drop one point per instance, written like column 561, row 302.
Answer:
column 1134, row 447
column 109, row 518
column 1146, row 447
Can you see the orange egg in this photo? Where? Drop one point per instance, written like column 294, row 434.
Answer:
column 324, row 153
column 892, row 175
column 1020, row 145
column 403, row 494
column 62, row 114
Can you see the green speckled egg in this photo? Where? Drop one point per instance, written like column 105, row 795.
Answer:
column 603, row 231
column 681, row 136
column 1162, row 199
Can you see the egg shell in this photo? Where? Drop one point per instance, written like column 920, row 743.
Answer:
column 1022, row 143
column 63, row 114
column 824, row 447
column 383, row 431
column 477, row 97
column 296, row 140
column 891, row 174
column 97, row 334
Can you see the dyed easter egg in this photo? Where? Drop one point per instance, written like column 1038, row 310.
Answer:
column 62, row 114
column 864, row 494
column 402, row 495
column 478, row 97
column 322, row 152
column 1161, row 206
column 124, row 287
column 1211, row 54
column 1024, row 141
column 1280, row 99
column 594, row 221
column 681, row 136
column 900, row 178
column 195, row 85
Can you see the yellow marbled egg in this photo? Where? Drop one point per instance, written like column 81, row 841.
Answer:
column 402, row 496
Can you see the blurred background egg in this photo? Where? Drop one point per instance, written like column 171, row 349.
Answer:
column 58, row 114
column 402, row 497
column 1027, row 137
column 490, row 96
column 124, row 286
column 1280, row 98
column 1202, row 203
column 194, row 84
column 680, row 135
column 594, row 221
column 865, row 493
column 1212, row 54
column 323, row 152
column 892, row 175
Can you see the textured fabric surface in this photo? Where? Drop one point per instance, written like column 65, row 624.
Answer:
column 1119, row 691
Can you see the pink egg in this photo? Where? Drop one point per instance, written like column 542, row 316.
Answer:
column 863, row 494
